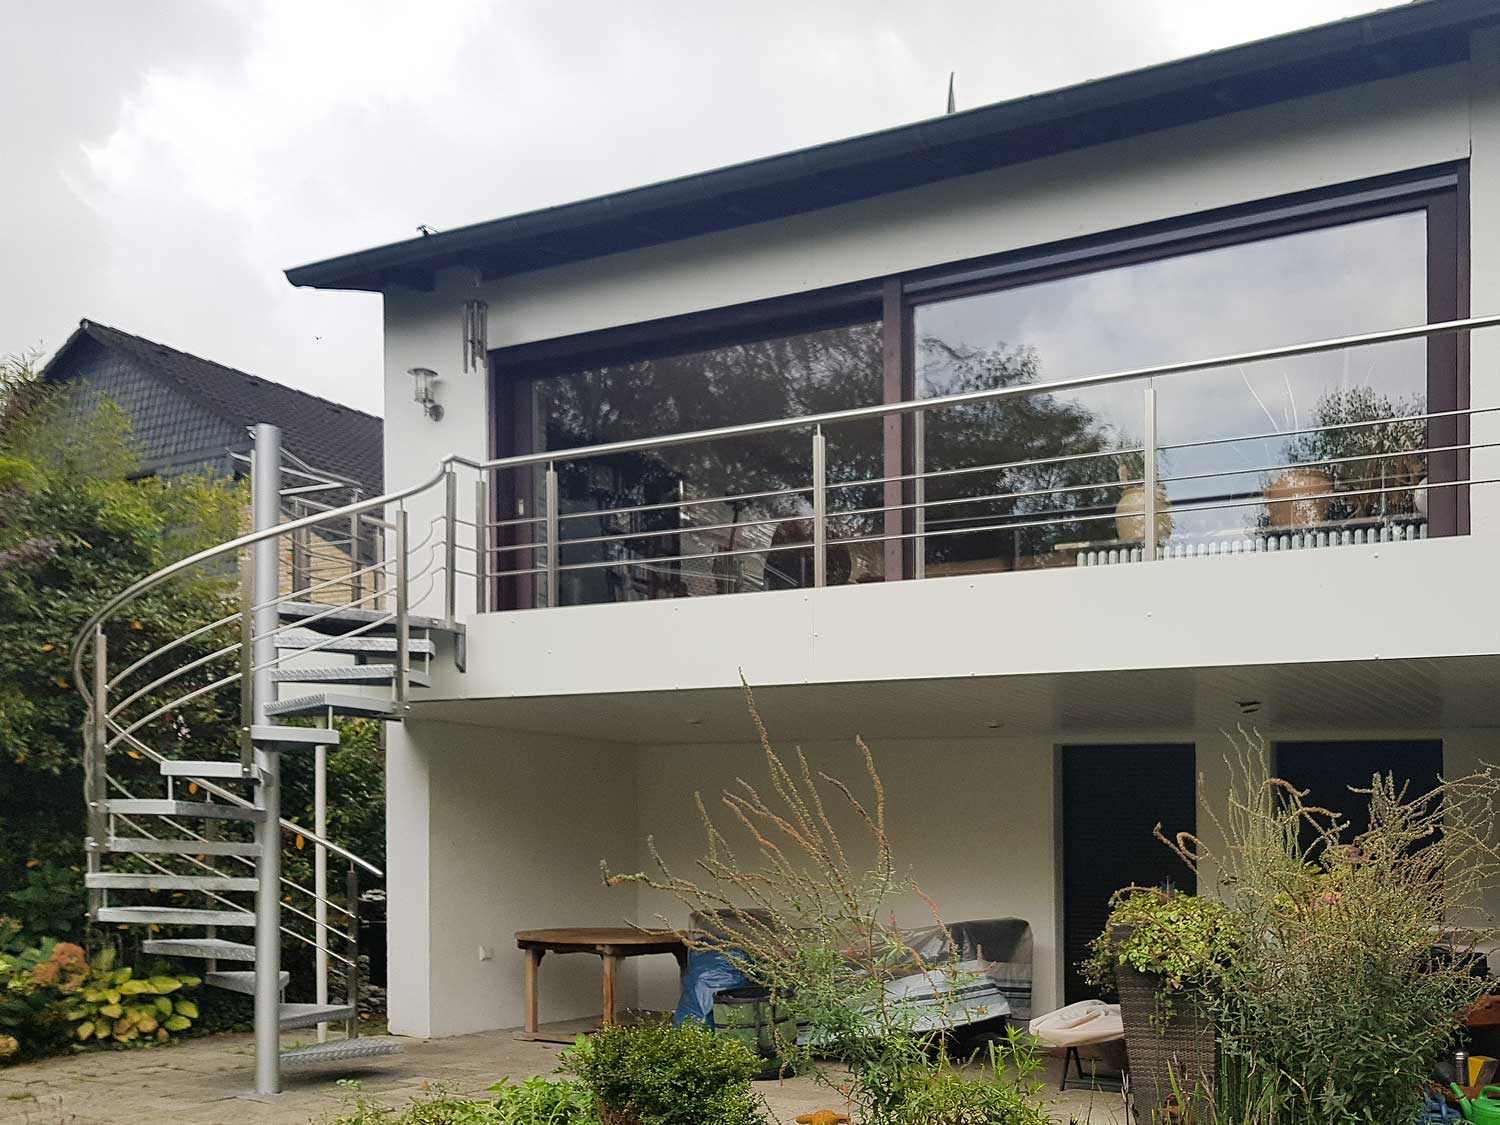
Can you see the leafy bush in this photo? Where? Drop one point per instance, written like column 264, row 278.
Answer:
column 53, row 993
column 655, row 1074
column 536, row 1101
column 1186, row 940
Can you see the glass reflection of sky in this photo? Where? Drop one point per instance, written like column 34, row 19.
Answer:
column 1358, row 277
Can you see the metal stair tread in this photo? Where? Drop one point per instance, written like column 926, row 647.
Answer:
column 149, row 807
column 178, row 768
column 305, row 1015
column 339, row 1050
column 293, row 736
column 377, row 675
column 145, row 845
column 343, row 703
column 340, row 619
column 204, row 948
column 152, row 881
column 325, row 642
column 240, row 980
column 175, row 916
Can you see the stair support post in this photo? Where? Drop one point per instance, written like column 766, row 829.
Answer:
column 450, row 547
column 403, row 612
column 95, row 785
column 320, row 872
column 351, row 992
column 266, row 505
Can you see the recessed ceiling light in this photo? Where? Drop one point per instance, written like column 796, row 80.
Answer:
column 994, row 724
column 695, row 722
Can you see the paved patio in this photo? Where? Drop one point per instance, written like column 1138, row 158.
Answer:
column 206, row 1080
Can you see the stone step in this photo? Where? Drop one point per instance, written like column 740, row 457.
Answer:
column 203, row 948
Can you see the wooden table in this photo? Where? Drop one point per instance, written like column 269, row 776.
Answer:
column 612, row 944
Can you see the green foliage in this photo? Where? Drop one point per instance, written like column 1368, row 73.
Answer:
column 536, row 1101
column 1186, row 940
column 655, row 1074
column 1329, row 998
column 935, row 1092
column 48, row 901
column 53, row 993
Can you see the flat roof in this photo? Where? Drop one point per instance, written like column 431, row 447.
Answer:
column 1414, row 36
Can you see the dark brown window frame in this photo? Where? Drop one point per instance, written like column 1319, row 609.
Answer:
column 1442, row 191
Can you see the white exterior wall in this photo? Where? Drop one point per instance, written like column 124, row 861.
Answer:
column 492, row 831
column 489, row 832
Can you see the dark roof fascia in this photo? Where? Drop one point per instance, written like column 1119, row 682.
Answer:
column 1413, row 36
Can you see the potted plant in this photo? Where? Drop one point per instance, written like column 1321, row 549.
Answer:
column 1161, row 950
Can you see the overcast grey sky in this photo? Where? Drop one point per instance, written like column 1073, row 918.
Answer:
column 165, row 160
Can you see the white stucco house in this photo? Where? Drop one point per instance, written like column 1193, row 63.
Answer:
column 1041, row 604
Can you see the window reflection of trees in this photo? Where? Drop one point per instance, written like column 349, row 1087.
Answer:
column 746, row 541
column 1070, row 481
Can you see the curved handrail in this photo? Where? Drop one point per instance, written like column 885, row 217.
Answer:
column 151, row 581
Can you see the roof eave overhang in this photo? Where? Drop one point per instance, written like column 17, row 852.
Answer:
column 1384, row 44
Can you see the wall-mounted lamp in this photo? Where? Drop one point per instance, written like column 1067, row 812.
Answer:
column 423, row 379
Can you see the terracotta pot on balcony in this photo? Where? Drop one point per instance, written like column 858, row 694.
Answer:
column 1130, row 524
column 1289, row 498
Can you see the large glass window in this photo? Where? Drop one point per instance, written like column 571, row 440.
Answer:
column 718, row 517
column 1226, row 434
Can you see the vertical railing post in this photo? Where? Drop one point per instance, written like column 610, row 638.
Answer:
column 351, row 994
column 1148, row 474
column 481, row 546
column 247, row 660
column 450, row 546
column 820, row 507
column 356, row 559
column 919, row 493
column 266, row 505
column 320, row 874
column 301, row 552
column 95, row 783
column 403, row 610
column 553, row 546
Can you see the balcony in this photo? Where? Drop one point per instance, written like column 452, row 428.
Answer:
column 1345, row 446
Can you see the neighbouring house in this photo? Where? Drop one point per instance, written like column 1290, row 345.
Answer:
column 189, row 414
column 1130, row 428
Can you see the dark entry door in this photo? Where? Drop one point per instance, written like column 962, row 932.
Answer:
column 1112, row 799
column 1328, row 770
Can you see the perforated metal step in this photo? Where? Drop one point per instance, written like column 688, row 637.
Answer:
column 181, row 847
column 305, row 1015
column 340, row 703
column 340, row 620
column 175, row 916
column 373, row 675
column 207, row 809
column 361, row 645
column 153, row 881
column 341, row 1050
column 238, row 980
column 207, row 949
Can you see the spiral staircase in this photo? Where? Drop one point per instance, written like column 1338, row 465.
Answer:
column 185, row 831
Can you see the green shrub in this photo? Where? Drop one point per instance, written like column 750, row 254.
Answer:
column 52, row 994
column 536, row 1101
column 655, row 1074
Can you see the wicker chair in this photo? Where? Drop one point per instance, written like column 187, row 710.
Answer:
column 1179, row 1053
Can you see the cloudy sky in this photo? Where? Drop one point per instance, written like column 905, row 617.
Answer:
column 165, row 160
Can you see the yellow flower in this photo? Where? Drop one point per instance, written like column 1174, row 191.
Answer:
column 137, row 626
column 301, row 843
column 33, row 863
column 48, row 647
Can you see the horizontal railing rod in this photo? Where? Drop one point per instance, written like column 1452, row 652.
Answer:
column 909, row 406
column 167, row 677
column 171, row 645
column 1421, row 451
column 1330, row 427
